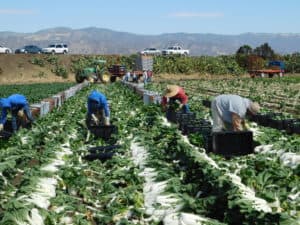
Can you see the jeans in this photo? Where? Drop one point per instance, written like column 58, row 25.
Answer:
column 14, row 113
column 218, row 123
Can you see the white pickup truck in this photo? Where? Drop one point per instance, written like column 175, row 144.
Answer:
column 176, row 49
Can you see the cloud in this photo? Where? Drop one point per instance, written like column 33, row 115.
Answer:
column 196, row 15
column 17, row 12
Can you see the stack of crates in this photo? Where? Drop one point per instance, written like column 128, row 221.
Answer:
column 144, row 62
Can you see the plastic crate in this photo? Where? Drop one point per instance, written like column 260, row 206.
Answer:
column 196, row 122
column 185, row 126
column 230, row 143
column 293, row 127
column 171, row 116
column 276, row 124
column 206, row 103
column 202, row 129
column 185, row 116
column 208, row 142
column 104, row 132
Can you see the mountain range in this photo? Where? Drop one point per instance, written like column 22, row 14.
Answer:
column 93, row 40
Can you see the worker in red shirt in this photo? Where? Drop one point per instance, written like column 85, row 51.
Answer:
column 175, row 99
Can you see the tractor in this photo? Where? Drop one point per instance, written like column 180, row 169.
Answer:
column 98, row 73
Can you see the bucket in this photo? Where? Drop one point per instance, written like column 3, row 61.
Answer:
column 146, row 98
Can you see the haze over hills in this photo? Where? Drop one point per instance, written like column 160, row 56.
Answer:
column 94, row 40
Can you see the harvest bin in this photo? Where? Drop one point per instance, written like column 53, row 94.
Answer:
column 104, row 132
column 230, row 143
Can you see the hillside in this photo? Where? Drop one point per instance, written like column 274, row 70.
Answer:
column 94, row 40
column 21, row 69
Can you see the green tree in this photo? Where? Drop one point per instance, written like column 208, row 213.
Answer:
column 265, row 51
column 242, row 54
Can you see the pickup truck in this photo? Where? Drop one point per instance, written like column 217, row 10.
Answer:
column 173, row 50
column 56, row 49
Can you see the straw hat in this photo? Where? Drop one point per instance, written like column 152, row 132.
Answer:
column 254, row 107
column 171, row 90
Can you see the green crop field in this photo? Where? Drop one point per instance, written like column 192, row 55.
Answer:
column 34, row 92
column 157, row 175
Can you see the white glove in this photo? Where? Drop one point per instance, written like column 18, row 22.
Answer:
column 1, row 127
column 106, row 121
column 95, row 119
column 21, row 113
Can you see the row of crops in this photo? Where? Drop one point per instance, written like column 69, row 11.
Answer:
column 156, row 176
column 276, row 94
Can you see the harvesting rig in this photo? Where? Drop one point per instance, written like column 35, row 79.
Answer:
column 98, row 72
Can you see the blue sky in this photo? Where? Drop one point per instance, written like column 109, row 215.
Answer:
column 154, row 16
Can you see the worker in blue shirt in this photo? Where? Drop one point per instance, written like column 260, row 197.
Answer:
column 98, row 109
column 18, row 106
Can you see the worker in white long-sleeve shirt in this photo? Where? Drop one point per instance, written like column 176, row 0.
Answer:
column 229, row 111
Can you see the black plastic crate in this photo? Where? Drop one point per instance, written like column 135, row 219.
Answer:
column 171, row 116
column 185, row 116
column 293, row 127
column 276, row 124
column 287, row 122
column 208, row 142
column 206, row 103
column 230, row 143
column 197, row 122
column 191, row 129
column 104, row 132
column 263, row 119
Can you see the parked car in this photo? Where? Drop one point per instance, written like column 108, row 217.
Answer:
column 176, row 49
column 5, row 49
column 32, row 49
column 56, row 49
column 150, row 51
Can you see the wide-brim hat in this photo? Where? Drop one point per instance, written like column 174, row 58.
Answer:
column 171, row 91
column 254, row 107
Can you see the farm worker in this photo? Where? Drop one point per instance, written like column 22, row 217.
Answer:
column 127, row 76
column 149, row 75
column 175, row 95
column 229, row 111
column 98, row 109
column 145, row 77
column 18, row 106
column 134, row 77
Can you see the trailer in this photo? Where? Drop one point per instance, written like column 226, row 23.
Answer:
column 275, row 69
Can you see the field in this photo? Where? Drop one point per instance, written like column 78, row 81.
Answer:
column 157, row 175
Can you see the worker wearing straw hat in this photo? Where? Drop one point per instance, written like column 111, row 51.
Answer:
column 173, row 95
column 229, row 111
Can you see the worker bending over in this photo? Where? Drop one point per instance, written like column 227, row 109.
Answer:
column 175, row 99
column 98, row 109
column 18, row 106
column 229, row 111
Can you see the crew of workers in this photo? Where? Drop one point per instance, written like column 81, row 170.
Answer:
column 228, row 110
column 146, row 76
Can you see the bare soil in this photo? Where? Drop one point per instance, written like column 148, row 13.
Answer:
column 18, row 69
